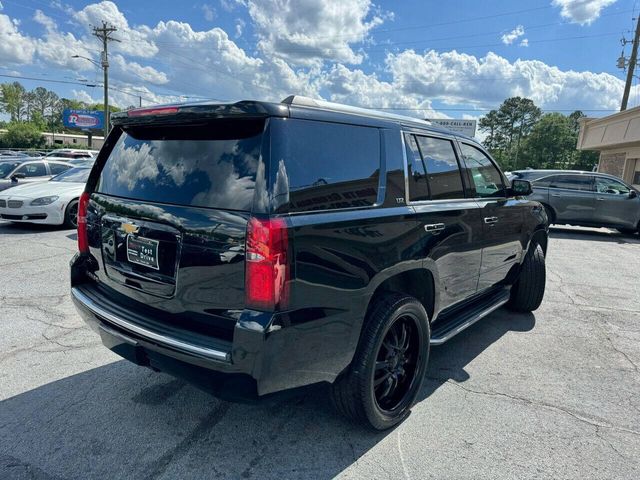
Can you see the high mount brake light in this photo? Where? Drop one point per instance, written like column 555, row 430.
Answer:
column 267, row 265
column 83, row 241
column 143, row 112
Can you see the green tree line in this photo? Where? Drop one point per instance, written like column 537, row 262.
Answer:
column 519, row 136
column 31, row 112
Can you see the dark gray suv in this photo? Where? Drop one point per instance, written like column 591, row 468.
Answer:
column 585, row 198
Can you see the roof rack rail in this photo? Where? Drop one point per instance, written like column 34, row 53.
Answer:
column 303, row 101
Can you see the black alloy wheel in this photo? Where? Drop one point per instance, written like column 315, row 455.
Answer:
column 396, row 363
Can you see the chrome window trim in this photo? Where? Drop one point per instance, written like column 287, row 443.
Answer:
column 454, row 142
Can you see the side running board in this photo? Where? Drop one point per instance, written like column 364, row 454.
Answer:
column 449, row 324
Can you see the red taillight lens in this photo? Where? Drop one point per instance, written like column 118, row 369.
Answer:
column 83, row 243
column 267, row 271
column 143, row 112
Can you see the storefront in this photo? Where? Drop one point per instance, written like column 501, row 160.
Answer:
column 617, row 138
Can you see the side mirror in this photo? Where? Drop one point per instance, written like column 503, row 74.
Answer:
column 521, row 188
column 633, row 194
column 17, row 176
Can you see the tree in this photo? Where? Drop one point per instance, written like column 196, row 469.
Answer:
column 12, row 100
column 22, row 135
column 507, row 128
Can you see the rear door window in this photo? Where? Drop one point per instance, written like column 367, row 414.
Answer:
column 418, row 186
column 572, row 182
column 323, row 166
column 57, row 168
column 443, row 171
column 207, row 165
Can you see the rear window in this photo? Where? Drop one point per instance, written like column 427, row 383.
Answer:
column 207, row 165
column 323, row 166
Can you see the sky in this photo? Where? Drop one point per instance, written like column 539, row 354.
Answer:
column 424, row 58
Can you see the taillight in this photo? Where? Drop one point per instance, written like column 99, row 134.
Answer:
column 143, row 112
column 267, row 270
column 83, row 242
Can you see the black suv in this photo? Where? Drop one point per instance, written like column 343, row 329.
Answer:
column 256, row 247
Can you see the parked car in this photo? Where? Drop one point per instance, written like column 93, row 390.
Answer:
column 256, row 247
column 54, row 202
column 586, row 199
column 71, row 153
column 19, row 170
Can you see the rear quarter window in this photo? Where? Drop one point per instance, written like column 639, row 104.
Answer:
column 323, row 166
column 209, row 165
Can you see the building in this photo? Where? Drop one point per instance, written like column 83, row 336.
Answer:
column 71, row 140
column 617, row 138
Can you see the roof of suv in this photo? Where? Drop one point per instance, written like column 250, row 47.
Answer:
column 538, row 174
column 295, row 106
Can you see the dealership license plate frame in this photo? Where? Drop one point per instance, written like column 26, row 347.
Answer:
column 139, row 257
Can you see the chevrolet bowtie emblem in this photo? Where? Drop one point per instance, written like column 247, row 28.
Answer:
column 129, row 228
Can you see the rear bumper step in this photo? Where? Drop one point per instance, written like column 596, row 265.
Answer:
column 450, row 324
column 84, row 300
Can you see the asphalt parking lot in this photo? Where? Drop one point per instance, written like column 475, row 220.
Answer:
column 553, row 394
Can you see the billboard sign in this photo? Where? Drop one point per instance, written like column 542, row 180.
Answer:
column 83, row 119
column 463, row 127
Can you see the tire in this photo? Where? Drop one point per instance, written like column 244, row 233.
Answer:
column 528, row 291
column 71, row 215
column 355, row 393
column 550, row 214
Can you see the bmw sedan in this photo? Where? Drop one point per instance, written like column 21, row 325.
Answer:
column 54, row 202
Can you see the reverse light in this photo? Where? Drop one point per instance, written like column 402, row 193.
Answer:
column 267, row 265
column 83, row 241
column 143, row 112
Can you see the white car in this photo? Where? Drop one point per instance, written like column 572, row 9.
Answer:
column 54, row 202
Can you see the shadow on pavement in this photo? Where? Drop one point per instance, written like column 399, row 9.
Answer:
column 8, row 228
column 598, row 235
column 448, row 361
column 123, row 421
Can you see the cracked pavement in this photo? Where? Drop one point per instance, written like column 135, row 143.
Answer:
column 552, row 394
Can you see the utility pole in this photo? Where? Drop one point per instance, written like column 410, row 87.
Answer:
column 104, row 34
column 632, row 66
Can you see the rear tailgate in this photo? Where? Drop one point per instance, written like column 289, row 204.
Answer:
column 168, row 217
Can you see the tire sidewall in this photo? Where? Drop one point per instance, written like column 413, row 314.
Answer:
column 67, row 220
column 379, row 418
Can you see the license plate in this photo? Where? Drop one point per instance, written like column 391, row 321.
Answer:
column 143, row 251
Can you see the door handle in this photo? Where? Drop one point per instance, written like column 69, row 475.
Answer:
column 600, row 199
column 434, row 227
column 555, row 194
column 490, row 220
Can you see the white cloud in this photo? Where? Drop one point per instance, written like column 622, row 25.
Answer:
column 15, row 48
column 583, row 12
column 240, row 24
column 524, row 42
column 513, row 35
column 209, row 12
column 461, row 78
column 307, row 32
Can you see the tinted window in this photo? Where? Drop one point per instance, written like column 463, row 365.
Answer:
column 484, row 174
column 606, row 185
column 323, row 166
column 74, row 175
column 211, row 165
column 7, row 167
column 418, row 186
column 57, row 168
column 443, row 172
column 572, row 182
column 33, row 170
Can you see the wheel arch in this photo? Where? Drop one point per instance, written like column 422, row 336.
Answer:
column 417, row 282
